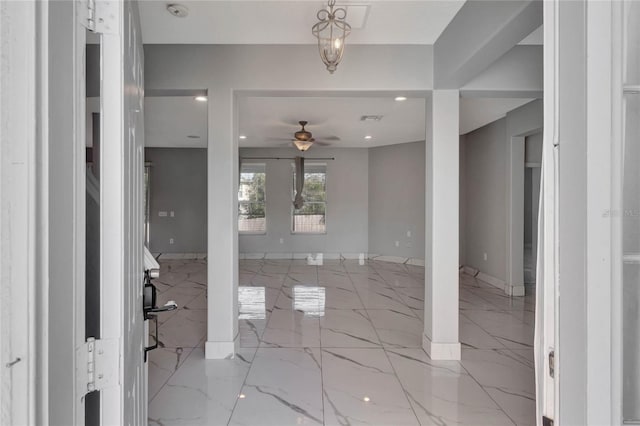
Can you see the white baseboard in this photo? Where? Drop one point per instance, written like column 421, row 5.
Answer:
column 469, row 270
column 415, row 262
column 397, row 259
column 390, row 259
column 178, row 256
column 496, row 282
column 441, row 351
column 278, row 256
column 334, row 256
column 509, row 289
column 220, row 350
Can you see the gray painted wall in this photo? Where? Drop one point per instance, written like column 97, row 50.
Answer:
column 347, row 204
column 397, row 199
column 179, row 184
column 462, row 213
column 484, row 179
column 533, row 148
column 484, row 176
column 532, row 154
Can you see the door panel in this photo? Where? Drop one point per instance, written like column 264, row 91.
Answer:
column 122, row 233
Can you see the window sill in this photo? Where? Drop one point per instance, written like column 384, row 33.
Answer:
column 251, row 233
column 309, row 233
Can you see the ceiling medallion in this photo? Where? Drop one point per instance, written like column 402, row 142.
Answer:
column 331, row 30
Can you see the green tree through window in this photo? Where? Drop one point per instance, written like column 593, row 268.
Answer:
column 311, row 218
column 251, row 199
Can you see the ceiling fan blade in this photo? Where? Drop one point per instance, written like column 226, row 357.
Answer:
column 322, row 143
column 331, row 138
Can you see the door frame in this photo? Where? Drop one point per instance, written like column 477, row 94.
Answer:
column 582, row 256
column 24, row 285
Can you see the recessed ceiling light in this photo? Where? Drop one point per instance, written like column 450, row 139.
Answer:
column 371, row 118
column 368, row 137
column 201, row 98
column 366, row 399
column 400, row 98
column 242, row 137
column 242, row 396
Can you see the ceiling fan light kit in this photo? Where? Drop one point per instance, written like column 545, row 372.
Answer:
column 303, row 145
column 303, row 139
column 331, row 30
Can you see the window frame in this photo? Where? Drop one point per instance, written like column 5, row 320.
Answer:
column 257, row 166
column 293, row 194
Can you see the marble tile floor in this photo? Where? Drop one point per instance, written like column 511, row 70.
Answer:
column 339, row 344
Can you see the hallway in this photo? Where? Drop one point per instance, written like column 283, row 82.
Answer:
column 339, row 344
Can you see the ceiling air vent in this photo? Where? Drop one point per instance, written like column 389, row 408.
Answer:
column 371, row 118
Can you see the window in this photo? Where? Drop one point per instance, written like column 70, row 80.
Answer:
column 251, row 197
column 311, row 218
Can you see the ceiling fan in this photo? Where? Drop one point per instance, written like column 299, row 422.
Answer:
column 303, row 139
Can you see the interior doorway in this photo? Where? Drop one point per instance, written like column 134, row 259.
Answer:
column 176, row 218
column 532, row 170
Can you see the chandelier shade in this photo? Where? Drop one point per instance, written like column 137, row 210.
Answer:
column 331, row 31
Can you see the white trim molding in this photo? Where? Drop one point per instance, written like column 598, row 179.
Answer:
column 332, row 256
column 509, row 289
column 441, row 351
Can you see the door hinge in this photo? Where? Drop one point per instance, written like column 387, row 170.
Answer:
column 98, row 364
column 99, row 16
column 552, row 363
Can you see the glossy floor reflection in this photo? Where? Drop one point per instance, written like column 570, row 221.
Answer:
column 339, row 344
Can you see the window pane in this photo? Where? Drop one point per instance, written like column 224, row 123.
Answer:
column 251, row 198
column 310, row 218
column 252, row 187
column 314, row 187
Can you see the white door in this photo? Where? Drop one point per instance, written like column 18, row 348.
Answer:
column 122, row 214
column 120, row 371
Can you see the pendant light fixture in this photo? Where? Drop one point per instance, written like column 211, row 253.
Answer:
column 331, row 30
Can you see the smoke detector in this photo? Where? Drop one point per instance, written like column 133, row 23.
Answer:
column 177, row 10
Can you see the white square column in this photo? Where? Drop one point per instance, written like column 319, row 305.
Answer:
column 440, row 339
column 222, row 225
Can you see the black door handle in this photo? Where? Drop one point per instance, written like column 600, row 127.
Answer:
column 150, row 308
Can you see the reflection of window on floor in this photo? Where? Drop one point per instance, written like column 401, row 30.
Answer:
column 311, row 218
column 251, row 199
column 251, row 302
column 309, row 300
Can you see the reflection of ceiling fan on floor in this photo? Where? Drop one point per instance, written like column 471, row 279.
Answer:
column 303, row 139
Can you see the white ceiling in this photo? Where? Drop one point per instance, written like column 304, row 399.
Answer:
column 290, row 22
column 269, row 122
column 170, row 120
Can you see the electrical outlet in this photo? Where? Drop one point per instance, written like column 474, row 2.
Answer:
column 281, row 240
column 172, row 213
column 170, row 240
column 485, row 257
column 408, row 234
column 162, row 214
column 397, row 243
